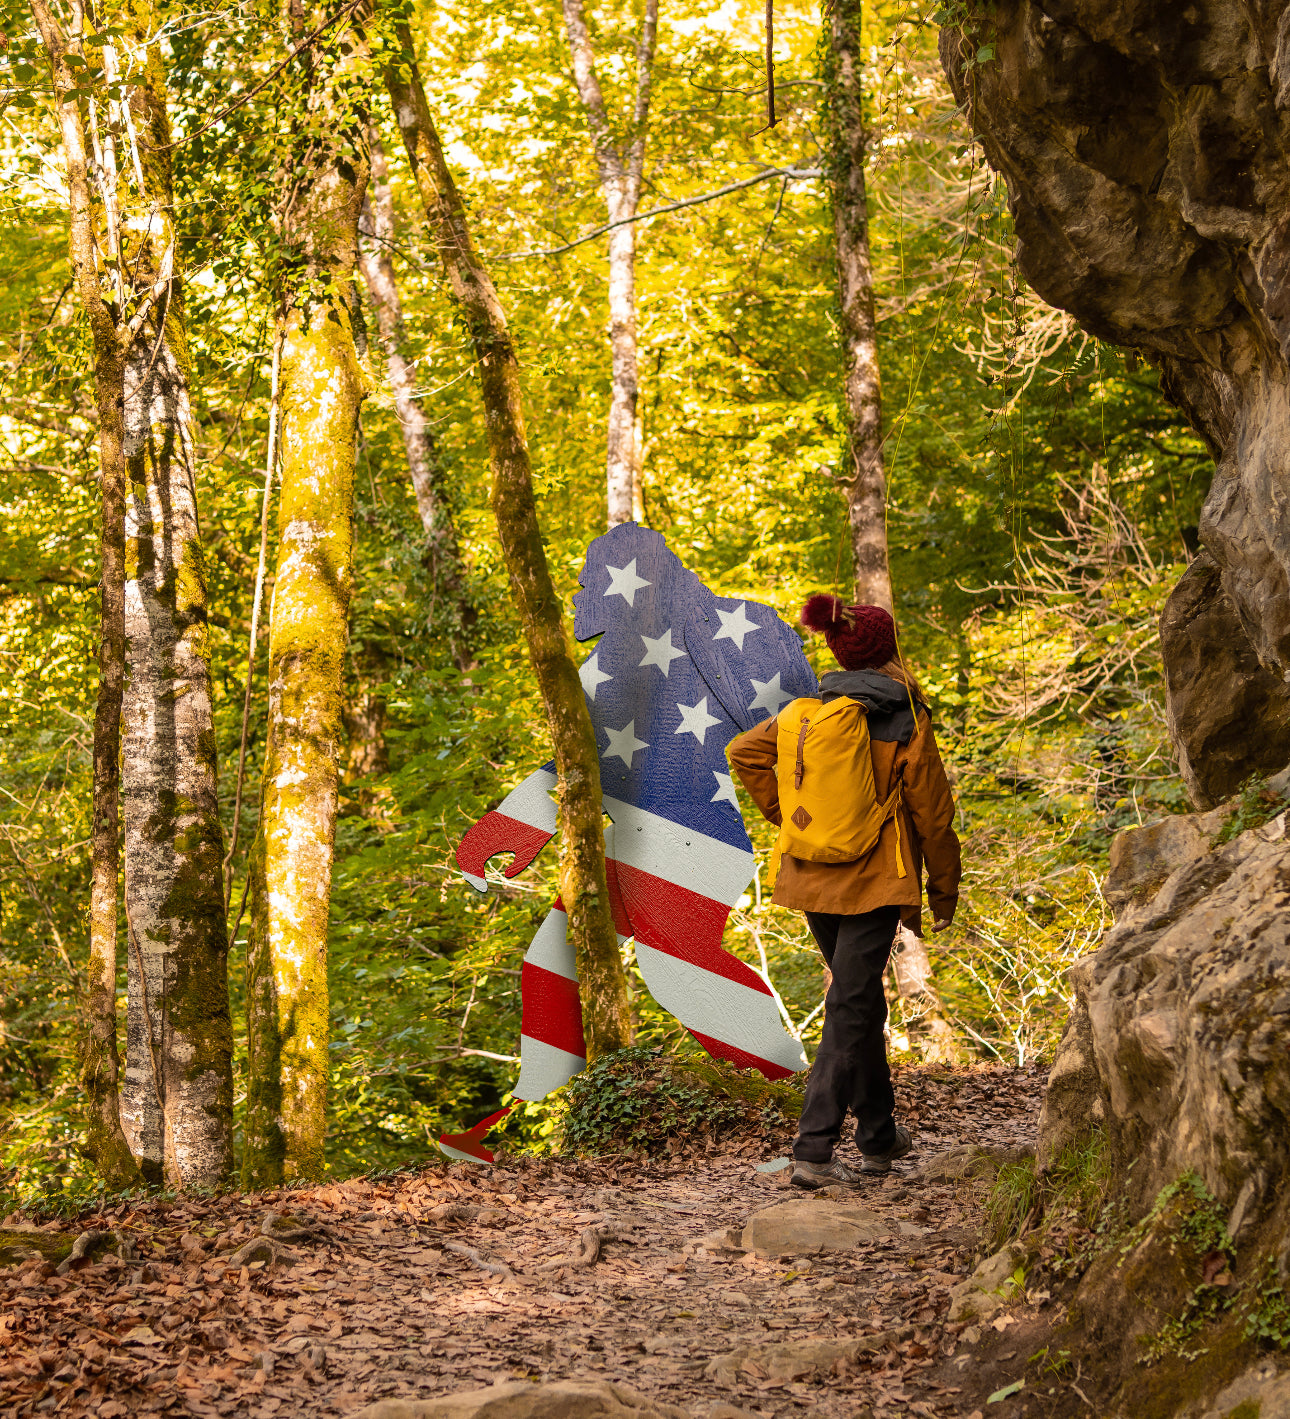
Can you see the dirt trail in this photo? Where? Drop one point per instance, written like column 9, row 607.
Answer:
column 392, row 1295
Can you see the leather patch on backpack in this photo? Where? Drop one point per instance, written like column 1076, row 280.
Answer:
column 802, row 818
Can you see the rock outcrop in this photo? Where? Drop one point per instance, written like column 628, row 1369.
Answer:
column 594, row 1399
column 1176, row 1047
column 1228, row 716
column 1144, row 144
column 805, row 1226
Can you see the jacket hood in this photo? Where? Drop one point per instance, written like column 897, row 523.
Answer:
column 885, row 699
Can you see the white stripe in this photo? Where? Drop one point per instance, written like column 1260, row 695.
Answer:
column 529, row 802
column 461, row 1157
column 722, row 1009
column 544, row 1067
column 551, row 948
column 480, row 884
column 679, row 855
column 646, row 841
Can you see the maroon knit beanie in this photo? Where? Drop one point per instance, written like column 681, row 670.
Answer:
column 862, row 637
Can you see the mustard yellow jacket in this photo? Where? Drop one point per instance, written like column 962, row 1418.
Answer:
column 927, row 835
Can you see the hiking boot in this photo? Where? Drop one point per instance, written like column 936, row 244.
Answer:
column 830, row 1174
column 872, row 1163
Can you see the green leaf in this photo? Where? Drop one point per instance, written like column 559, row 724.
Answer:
column 1007, row 1391
column 985, row 54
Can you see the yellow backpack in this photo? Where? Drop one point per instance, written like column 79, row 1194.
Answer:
column 827, row 798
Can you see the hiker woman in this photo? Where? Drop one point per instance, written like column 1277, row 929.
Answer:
column 856, row 784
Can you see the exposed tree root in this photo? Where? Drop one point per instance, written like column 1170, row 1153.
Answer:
column 492, row 1267
column 87, row 1241
column 590, row 1243
column 266, row 1249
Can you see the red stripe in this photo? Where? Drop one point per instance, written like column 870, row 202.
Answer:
column 496, row 832
column 469, row 1142
column 741, row 1059
column 552, row 1009
column 683, row 924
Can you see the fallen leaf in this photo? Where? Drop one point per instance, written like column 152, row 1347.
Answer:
column 1007, row 1391
column 142, row 1335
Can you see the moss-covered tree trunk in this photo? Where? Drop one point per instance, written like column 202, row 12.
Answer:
column 100, row 1076
column 322, row 387
column 178, row 1097
column 425, row 462
column 583, row 889
column 846, row 139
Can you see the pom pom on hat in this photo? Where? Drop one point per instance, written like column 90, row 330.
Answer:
column 862, row 637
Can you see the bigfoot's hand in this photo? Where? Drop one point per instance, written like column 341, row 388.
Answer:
column 522, row 823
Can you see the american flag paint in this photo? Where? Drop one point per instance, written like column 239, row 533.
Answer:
column 676, row 674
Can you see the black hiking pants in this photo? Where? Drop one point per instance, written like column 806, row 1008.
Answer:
column 850, row 1070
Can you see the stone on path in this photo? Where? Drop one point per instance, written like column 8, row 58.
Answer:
column 519, row 1399
column 989, row 1289
column 970, row 1161
column 808, row 1224
column 792, row 1360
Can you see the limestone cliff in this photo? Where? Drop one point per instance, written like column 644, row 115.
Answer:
column 1145, row 146
column 1175, row 1049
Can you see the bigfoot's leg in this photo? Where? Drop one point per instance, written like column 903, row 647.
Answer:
column 677, row 894
column 551, row 1044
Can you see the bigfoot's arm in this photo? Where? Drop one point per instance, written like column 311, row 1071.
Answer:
column 522, row 823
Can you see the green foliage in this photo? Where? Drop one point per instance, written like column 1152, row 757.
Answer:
column 639, row 1100
column 1010, row 1202
column 1267, row 1305
column 1255, row 805
column 1194, row 1216
column 1079, row 1179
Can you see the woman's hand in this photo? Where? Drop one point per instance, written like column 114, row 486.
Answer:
column 939, row 926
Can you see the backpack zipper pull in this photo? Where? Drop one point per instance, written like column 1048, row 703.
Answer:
column 799, row 769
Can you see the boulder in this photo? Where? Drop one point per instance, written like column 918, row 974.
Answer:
column 1145, row 151
column 1262, row 1391
column 808, row 1225
column 1175, row 1048
column 969, row 1160
column 520, row 1400
column 990, row 1288
column 792, row 1360
column 1217, row 692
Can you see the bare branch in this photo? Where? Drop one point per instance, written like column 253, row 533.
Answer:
column 790, row 174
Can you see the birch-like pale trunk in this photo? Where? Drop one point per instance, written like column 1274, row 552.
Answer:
column 177, row 1104
column 100, row 1060
column 322, row 387
column 425, row 465
column 606, row 1009
column 846, row 139
column 620, row 166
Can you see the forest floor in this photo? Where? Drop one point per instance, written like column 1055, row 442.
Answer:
column 387, row 1297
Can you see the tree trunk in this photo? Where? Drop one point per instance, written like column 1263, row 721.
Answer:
column 583, row 887
column 322, row 387
column 620, row 168
column 623, row 467
column 178, row 1099
column 846, row 139
column 100, row 1066
column 424, row 461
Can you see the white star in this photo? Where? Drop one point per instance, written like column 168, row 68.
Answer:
column 660, row 651
column 592, row 676
column 735, row 625
column 725, row 790
column 696, row 720
column 624, row 582
column 623, row 743
column 770, row 694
